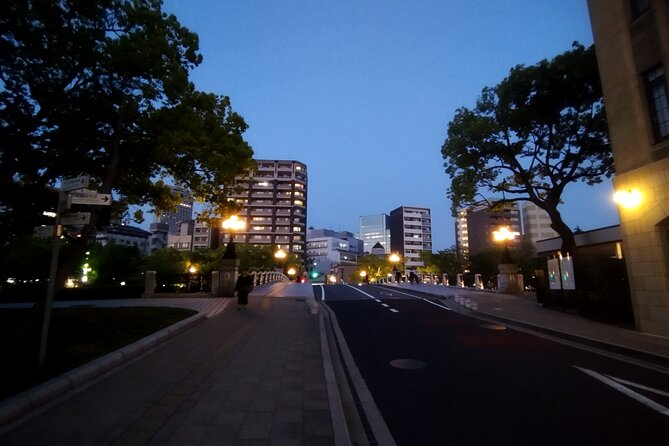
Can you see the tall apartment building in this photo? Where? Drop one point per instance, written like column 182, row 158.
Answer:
column 410, row 233
column 275, row 206
column 632, row 44
column 536, row 223
column 183, row 212
column 475, row 224
column 374, row 229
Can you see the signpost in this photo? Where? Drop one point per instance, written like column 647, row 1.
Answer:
column 44, row 231
column 75, row 218
column 72, row 191
column 88, row 197
column 70, row 184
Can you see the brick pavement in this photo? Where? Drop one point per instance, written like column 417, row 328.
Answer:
column 249, row 377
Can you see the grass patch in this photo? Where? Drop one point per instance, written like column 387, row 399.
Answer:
column 76, row 336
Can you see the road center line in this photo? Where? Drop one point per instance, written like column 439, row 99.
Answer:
column 370, row 296
column 423, row 299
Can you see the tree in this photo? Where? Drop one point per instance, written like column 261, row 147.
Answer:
column 539, row 130
column 375, row 266
column 166, row 261
column 112, row 264
column 101, row 88
column 445, row 261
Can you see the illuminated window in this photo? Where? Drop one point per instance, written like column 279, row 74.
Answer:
column 299, row 202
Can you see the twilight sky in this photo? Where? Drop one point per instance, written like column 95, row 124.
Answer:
column 362, row 90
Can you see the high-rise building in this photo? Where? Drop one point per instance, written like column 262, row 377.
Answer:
column 375, row 229
column 183, row 212
column 475, row 224
column 275, row 206
column 632, row 44
column 410, row 233
column 536, row 223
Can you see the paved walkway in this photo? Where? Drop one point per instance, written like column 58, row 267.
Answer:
column 249, row 377
column 526, row 312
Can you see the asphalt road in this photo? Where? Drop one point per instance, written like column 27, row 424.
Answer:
column 443, row 378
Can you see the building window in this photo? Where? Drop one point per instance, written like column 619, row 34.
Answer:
column 639, row 7
column 656, row 87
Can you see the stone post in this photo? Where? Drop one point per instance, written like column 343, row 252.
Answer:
column 149, row 284
column 228, row 272
column 478, row 283
column 460, row 282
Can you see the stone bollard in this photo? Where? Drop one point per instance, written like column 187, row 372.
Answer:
column 149, row 284
column 468, row 303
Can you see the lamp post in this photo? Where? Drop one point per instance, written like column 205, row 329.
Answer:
column 232, row 225
column 507, row 278
column 229, row 264
column 394, row 259
column 363, row 276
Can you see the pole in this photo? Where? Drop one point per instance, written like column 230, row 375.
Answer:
column 53, row 272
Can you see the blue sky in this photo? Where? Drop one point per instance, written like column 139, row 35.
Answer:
column 362, row 90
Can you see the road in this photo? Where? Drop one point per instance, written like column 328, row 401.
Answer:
column 443, row 378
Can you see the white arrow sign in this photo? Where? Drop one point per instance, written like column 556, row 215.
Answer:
column 89, row 197
column 76, row 218
column 69, row 184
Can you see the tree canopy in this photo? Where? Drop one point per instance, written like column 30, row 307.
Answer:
column 540, row 129
column 102, row 89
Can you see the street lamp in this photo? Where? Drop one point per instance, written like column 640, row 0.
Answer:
column 508, row 282
column 628, row 199
column 394, row 259
column 232, row 224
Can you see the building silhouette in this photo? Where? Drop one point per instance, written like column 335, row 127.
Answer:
column 183, row 212
column 474, row 226
column 410, row 234
column 373, row 229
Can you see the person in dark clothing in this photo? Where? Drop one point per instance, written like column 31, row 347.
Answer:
column 398, row 277
column 243, row 287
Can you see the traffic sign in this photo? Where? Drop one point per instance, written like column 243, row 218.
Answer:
column 69, row 184
column 44, row 231
column 75, row 218
column 89, row 197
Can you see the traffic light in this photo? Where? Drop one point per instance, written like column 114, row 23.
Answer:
column 314, row 274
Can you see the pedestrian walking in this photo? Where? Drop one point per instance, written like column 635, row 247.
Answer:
column 243, row 287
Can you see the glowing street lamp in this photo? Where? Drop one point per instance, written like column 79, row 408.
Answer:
column 628, row 199
column 280, row 254
column 291, row 271
column 232, row 225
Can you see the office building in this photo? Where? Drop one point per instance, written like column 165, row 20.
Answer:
column 374, row 229
column 475, row 224
column 183, row 212
column 536, row 224
column 410, row 234
column 632, row 43
column 327, row 249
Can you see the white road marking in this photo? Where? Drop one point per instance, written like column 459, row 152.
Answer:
column 612, row 382
column 639, row 386
column 322, row 290
column 385, row 305
column 423, row 299
column 370, row 296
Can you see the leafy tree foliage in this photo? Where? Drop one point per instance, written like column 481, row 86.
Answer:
column 166, row 261
column 539, row 130
column 260, row 258
column 445, row 261
column 376, row 267
column 111, row 264
column 101, row 88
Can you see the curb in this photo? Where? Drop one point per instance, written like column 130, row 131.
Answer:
column 13, row 407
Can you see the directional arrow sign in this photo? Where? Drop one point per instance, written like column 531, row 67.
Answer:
column 89, row 197
column 69, row 184
column 75, row 218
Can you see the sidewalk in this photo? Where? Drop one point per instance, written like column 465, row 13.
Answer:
column 525, row 312
column 255, row 376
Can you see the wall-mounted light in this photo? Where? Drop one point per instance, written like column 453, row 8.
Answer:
column 628, row 198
